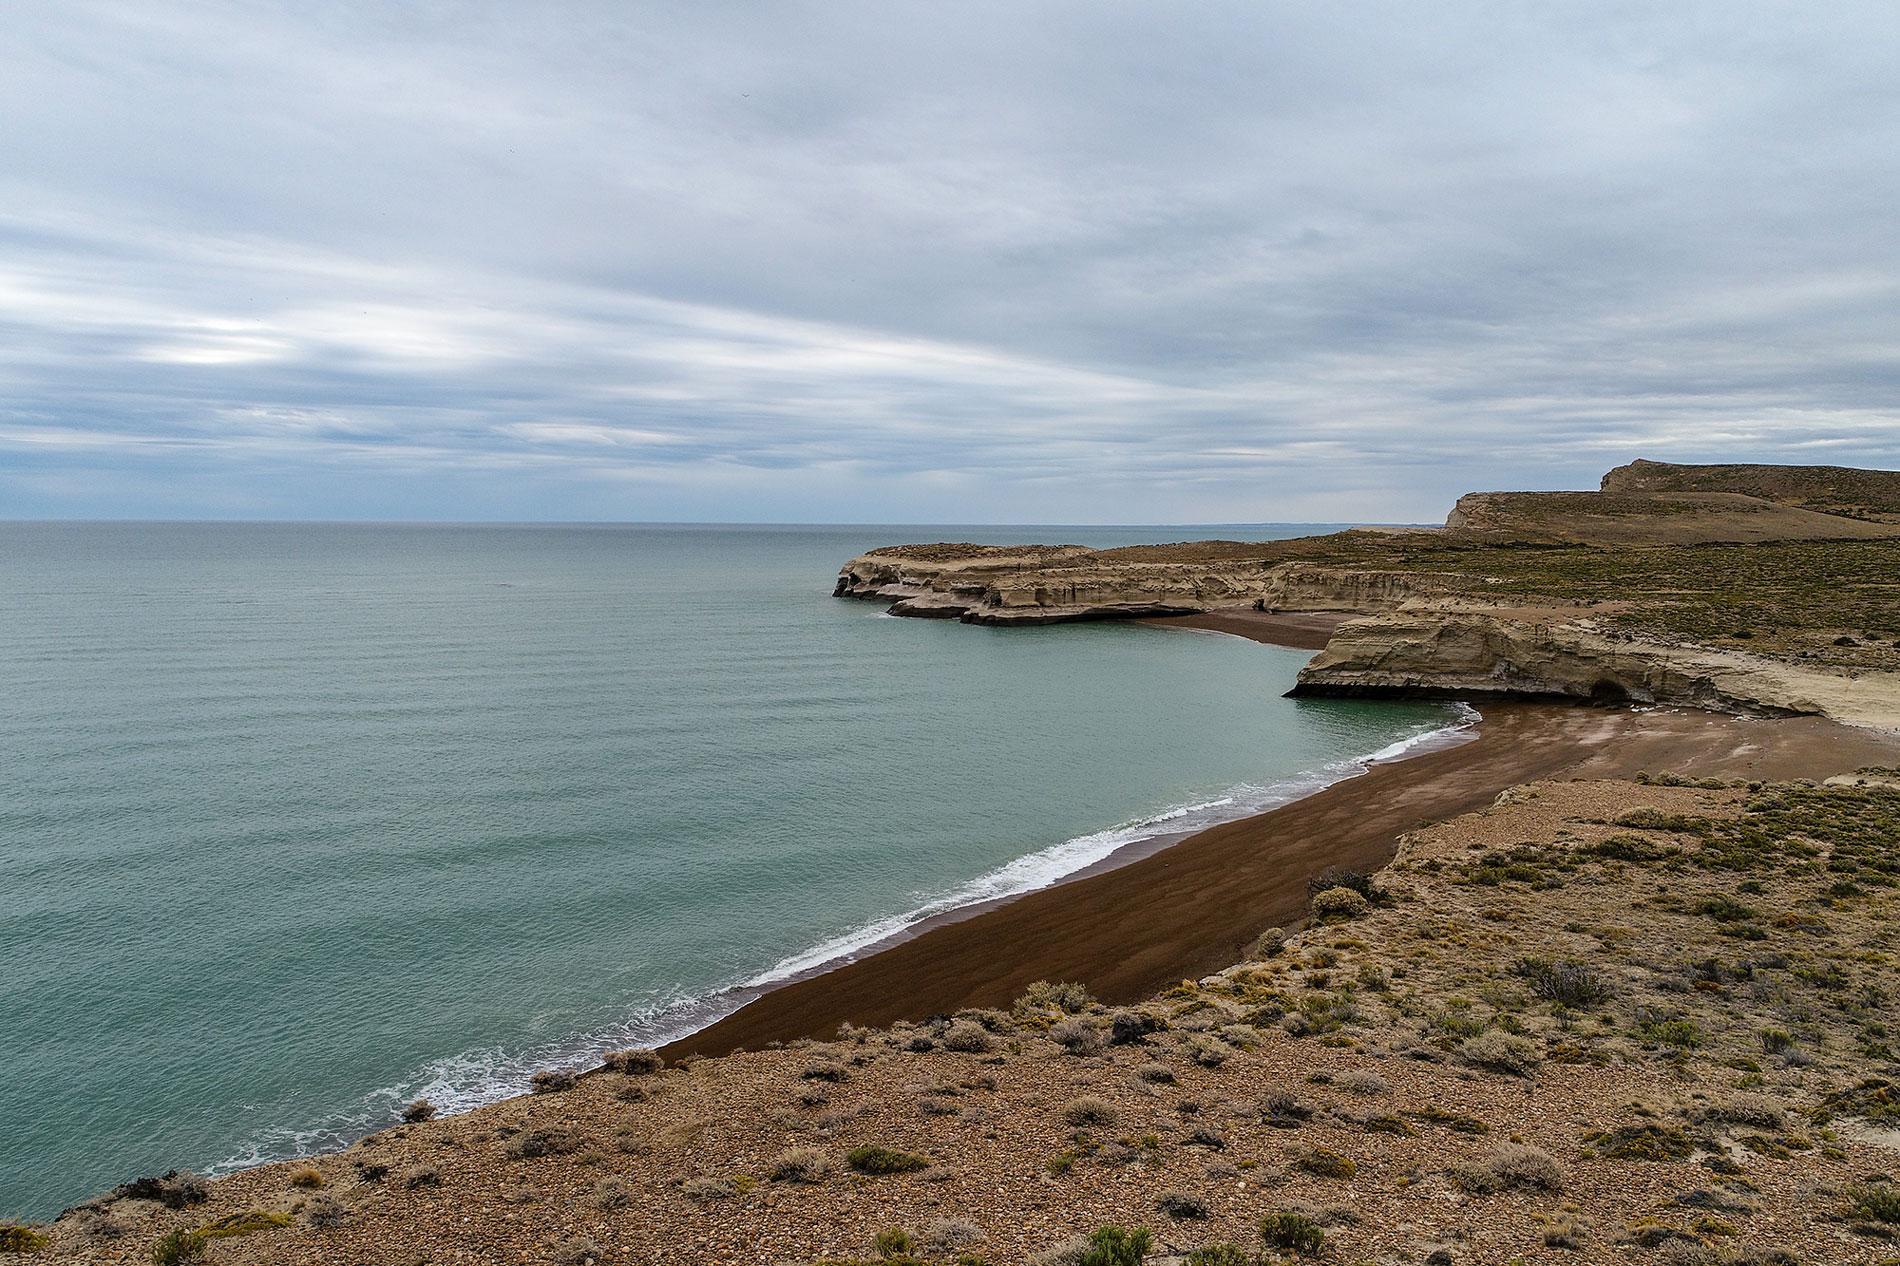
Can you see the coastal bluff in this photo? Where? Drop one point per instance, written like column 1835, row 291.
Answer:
column 1768, row 590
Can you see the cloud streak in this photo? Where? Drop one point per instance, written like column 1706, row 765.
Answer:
column 1057, row 262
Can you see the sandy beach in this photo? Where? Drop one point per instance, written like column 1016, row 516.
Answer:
column 1193, row 907
column 1302, row 630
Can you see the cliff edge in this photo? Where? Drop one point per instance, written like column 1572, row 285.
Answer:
column 1751, row 589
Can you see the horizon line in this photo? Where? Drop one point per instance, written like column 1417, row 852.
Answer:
column 738, row 523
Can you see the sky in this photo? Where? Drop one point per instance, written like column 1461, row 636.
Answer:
column 883, row 261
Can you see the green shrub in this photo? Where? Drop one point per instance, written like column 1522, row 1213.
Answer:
column 18, row 1237
column 183, row 1245
column 1642, row 1142
column 1324, row 1163
column 1684, row 1035
column 1219, row 1255
column 1114, row 1246
column 1293, row 1232
column 1624, row 848
column 175, row 1248
column 1725, row 909
column 1871, row 1203
column 1432, row 1114
column 893, row 1242
column 235, row 1224
column 1875, row 1098
column 1339, row 903
column 1063, row 996
column 871, row 1159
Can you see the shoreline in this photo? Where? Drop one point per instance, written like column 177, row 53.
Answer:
column 1453, row 734
column 1293, row 631
column 1298, row 631
column 1223, row 885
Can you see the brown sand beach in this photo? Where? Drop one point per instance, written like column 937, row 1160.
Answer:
column 1193, row 907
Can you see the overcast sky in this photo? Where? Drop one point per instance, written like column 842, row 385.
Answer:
column 948, row 261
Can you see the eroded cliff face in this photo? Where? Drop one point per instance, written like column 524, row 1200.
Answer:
column 1518, row 607
column 1421, row 636
column 1076, row 584
column 1475, row 654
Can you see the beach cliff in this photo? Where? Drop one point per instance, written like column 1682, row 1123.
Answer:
column 1628, row 594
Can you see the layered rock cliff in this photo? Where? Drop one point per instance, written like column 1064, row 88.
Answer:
column 1601, row 596
column 1021, row 585
column 1475, row 654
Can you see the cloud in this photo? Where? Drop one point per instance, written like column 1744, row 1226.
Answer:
column 892, row 261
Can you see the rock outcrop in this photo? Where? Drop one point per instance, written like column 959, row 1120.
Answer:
column 1524, row 613
column 1474, row 654
column 1012, row 586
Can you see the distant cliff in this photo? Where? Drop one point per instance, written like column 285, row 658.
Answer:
column 1474, row 654
column 1767, row 589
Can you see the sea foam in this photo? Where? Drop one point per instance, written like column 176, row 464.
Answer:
column 475, row 1078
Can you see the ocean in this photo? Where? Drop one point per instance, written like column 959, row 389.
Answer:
column 301, row 822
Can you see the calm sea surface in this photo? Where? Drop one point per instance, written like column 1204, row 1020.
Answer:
column 301, row 822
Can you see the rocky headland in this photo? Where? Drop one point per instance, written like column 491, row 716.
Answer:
column 1770, row 590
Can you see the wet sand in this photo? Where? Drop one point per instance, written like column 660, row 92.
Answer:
column 1193, row 908
column 1305, row 630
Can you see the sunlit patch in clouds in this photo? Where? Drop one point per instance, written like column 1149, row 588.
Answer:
column 576, row 433
column 217, row 343
column 895, row 261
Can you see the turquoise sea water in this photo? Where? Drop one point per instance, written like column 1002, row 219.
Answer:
column 301, row 822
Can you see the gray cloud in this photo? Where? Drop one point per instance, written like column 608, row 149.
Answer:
column 892, row 261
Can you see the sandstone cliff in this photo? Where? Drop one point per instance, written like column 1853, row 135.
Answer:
column 1476, row 654
column 1684, row 585
column 1009, row 585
